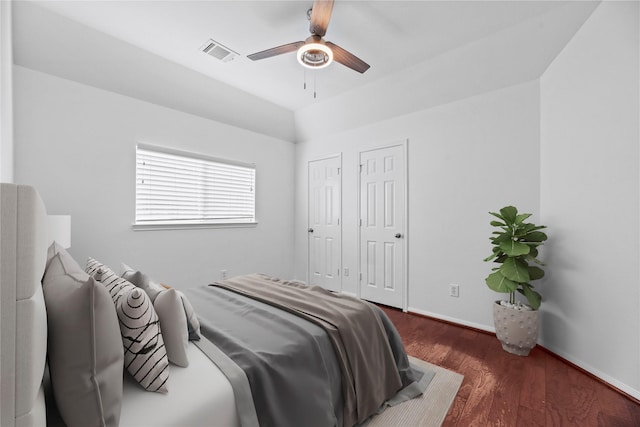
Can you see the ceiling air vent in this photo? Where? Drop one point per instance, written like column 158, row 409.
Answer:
column 218, row 51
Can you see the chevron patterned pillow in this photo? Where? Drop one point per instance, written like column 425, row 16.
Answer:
column 145, row 355
column 116, row 285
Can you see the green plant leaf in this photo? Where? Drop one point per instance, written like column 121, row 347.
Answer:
column 498, row 224
column 497, row 282
column 535, row 273
column 509, row 214
column 504, row 237
column 521, row 217
column 534, row 298
column 519, row 233
column 532, row 227
column 501, row 258
column 490, row 257
column 535, row 236
column 515, row 269
column 497, row 215
column 513, row 248
column 536, row 260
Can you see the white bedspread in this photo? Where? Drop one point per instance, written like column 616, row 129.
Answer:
column 199, row 395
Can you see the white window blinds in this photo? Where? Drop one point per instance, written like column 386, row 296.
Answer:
column 177, row 188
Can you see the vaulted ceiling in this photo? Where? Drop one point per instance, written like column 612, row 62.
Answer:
column 151, row 50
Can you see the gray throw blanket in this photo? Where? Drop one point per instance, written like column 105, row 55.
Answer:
column 289, row 363
column 354, row 328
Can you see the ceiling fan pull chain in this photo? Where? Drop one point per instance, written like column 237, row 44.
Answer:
column 314, row 85
column 305, row 79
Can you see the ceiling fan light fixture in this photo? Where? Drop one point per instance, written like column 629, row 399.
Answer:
column 315, row 55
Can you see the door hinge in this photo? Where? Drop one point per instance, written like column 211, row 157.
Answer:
column 360, row 222
column 361, row 277
column 361, row 168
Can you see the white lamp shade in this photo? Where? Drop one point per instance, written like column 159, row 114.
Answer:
column 59, row 230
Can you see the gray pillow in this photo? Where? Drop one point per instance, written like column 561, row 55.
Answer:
column 84, row 345
column 154, row 289
column 142, row 281
column 193, row 324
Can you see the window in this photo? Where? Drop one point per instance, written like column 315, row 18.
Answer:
column 175, row 188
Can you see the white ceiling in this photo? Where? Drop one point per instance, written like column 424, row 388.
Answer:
column 389, row 35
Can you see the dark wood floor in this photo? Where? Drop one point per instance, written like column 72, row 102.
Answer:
column 500, row 389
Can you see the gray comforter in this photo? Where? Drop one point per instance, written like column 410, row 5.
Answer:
column 295, row 377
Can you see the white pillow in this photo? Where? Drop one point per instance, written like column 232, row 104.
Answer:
column 173, row 323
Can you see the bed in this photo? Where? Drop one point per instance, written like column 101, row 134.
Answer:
column 62, row 334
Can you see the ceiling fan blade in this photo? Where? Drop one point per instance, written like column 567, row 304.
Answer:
column 320, row 15
column 274, row 51
column 347, row 59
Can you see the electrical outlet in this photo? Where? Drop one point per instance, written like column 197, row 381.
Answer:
column 454, row 290
column 223, row 274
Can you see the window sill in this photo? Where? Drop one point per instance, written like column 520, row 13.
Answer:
column 160, row 226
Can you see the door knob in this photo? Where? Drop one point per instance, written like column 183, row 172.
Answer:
column 398, row 235
column 310, row 230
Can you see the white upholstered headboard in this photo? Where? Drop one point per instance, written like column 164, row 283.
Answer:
column 23, row 318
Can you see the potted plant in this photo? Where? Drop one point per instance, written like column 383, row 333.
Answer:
column 515, row 248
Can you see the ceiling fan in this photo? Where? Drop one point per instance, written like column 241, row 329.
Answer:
column 314, row 52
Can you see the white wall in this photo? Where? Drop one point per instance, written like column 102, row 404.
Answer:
column 465, row 159
column 590, row 197
column 6, row 94
column 76, row 145
column 514, row 55
column 83, row 54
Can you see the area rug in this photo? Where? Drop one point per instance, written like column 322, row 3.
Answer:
column 428, row 410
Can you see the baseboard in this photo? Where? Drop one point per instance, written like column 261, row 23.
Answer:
column 617, row 386
column 596, row 374
column 454, row 321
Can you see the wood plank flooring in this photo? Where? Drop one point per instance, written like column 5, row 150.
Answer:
column 501, row 389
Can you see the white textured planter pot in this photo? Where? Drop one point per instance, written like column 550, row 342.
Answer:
column 517, row 330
